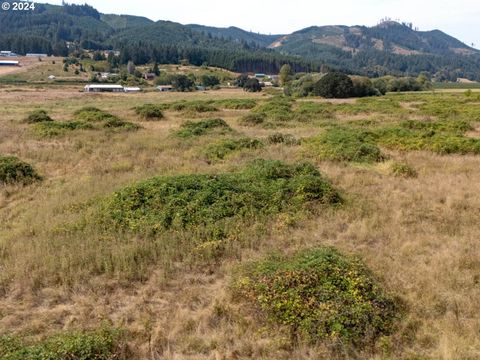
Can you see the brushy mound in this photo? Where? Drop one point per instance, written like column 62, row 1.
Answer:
column 285, row 139
column 220, row 150
column 92, row 114
column 253, row 119
column 319, row 295
column 104, row 344
column 56, row 128
column 215, row 203
column 236, row 104
column 87, row 118
column 14, row 171
column 197, row 106
column 401, row 169
column 443, row 137
column 150, row 111
column 346, row 144
column 38, row 116
column 277, row 109
column 199, row 128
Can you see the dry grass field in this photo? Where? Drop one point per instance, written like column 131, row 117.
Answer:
column 410, row 211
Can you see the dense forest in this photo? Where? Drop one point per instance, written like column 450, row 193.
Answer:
column 390, row 48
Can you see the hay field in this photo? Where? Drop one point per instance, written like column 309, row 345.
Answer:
column 406, row 166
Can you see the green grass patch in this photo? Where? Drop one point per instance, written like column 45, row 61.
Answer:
column 104, row 344
column 203, row 127
column 388, row 105
column 15, row 171
column 215, row 205
column 38, row 116
column 319, row 295
column 149, row 111
column 307, row 111
column 221, row 149
column 346, row 144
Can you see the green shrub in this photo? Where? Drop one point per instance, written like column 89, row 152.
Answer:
column 277, row 109
column 104, row 344
column 334, row 85
column 308, row 110
column 192, row 129
column 92, row 114
column 442, row 137
column 253, row 119
column 400, row 169
column 346, row 144
column 279, row 138
column 14, row 171
column 319, row 295
column 149, row 111
column 252, row 85
column 193, row 106
column 38, row 116
column 54, row 128
column 219, row 150
column 87, row 118
column 236, row 104
column 117, row 124
column 213, row 205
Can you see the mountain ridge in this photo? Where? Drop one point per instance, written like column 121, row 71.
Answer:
column 387, row 48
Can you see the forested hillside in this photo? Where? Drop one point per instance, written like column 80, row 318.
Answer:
column 389, row 48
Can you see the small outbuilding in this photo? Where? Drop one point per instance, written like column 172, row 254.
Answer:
column 9, row 63
column 132, row 89
column 36, row 55
column 165, row 88
column 104, row 88
column 149, row 76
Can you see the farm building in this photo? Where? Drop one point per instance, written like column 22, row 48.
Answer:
column 9, row 63
column 164, row 88
column 103, row 88
column 7, row 54
column 131, row 89
column 36, row 55
column 149, row 76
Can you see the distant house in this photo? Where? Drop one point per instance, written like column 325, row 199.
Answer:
column 274, row 78
column 131, row 89
column 103, row 88
column 36, row 55
column 149, row 76
column 9, row 63
column 108, row 52
column 7, row 54
column 260, row 76
column 164, row 88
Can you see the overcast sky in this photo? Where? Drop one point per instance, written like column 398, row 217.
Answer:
column 459, row 18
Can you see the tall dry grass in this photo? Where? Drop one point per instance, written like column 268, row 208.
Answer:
column 420, row 235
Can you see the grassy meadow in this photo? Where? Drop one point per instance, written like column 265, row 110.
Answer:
column 194, row 225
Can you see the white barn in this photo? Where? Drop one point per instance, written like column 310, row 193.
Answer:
column 9, row 63
column 103, row 88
